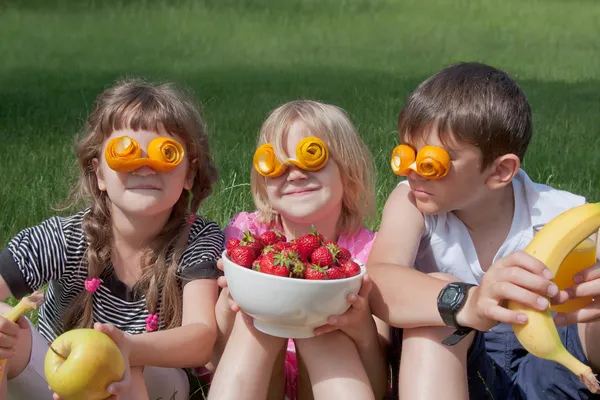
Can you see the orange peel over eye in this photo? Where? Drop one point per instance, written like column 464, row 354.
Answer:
column 165, row 154
column 311, row 154
column 433, row 162
column 402, row 157
column 121, row 152
column 266, row 163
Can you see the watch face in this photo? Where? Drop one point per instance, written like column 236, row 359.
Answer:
column 450, row 295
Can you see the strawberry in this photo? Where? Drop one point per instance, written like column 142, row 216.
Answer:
column 256, row 263
column 280, row 270
column 297, row 269
column 268, row 250
column 266, row 263
column 279, row 246
column 231, row 243
column 343, row 254
column 314, row 272
column 269, row 238
column 278, row 264
column 334, row 249
column 335, row 273
column 243, row 256
column 350, row 268
column 306, row 244
column 291, row 253
column 322, row 257
column 250, row 240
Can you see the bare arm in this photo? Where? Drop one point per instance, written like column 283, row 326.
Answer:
column 190, row 345
column 401, row 296
column 372, row 353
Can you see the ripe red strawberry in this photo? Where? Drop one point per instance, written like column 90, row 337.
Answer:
column 268, row 250
column 266, row 263
column 231, row 243
column 269, row 238
column 243, row 256
column 306, row 244
column 350, row 268
column 343, row 254
column 276, row 264
column 335, row 273
column 256, row 263
column 322, row 257
column 252, row 241
column 314, row 272
column 280, row 270
column 279, row 246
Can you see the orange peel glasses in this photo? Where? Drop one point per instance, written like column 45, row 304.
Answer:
column 123, row 154
column 431, row 162
column 311, row 155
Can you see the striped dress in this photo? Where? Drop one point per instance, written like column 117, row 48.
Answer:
column 53, row 253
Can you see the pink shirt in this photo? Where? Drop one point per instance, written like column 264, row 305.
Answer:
column 359, row 244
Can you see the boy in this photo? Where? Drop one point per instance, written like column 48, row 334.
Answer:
column 464, row 214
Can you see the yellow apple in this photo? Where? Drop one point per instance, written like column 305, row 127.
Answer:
column 81, row 363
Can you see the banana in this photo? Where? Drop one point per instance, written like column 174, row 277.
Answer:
column 551, row 245
column 27, row 303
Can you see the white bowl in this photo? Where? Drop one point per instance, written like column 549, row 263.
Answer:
column 288, row 307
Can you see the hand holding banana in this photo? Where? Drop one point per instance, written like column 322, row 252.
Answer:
column 587, row 283
column 518, row 289
column 551, row 245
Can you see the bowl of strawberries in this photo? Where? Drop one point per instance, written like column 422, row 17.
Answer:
column 290, row 287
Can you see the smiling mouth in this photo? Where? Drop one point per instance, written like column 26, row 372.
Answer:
column 421, row 191
column 299, row 192
column 144, row 187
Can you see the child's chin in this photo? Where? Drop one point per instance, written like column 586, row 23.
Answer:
column 428, row 207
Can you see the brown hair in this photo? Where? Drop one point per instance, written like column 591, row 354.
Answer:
column 332, row 125
column 471, row 103
column 139, row 105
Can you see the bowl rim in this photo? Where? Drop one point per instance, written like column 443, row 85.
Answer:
column 363, row 270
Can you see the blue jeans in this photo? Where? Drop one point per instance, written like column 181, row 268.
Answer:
column 500, row 368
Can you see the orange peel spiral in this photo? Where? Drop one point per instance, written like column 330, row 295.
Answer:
column 432, row 162
column 266, row 163
column 402, row 157
column 165, row 154
column 311, row 154
column 123, row 154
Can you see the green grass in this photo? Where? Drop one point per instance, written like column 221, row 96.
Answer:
column 243, row 58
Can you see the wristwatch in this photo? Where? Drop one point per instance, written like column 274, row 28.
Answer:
column 450, row 300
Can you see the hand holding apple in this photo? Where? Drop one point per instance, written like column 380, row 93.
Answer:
column 90, row 364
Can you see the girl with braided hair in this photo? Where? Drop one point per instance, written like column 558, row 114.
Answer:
column 137, row 262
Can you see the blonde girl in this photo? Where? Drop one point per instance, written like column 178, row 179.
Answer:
column 336, row 198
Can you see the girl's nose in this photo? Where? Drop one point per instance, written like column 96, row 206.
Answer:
column 144, row 171
column 413, row 175
column 295, row 173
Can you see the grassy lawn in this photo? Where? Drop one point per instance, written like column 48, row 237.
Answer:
column 243, row 58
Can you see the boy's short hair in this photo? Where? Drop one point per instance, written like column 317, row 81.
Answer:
column 474, row 103
column 331, row 124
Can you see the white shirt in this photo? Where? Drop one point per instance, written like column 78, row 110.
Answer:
column 446, row 245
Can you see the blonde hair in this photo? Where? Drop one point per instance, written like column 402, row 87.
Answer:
column 332, row 125
column 139, row 105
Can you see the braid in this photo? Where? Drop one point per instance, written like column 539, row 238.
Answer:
column 96, row 227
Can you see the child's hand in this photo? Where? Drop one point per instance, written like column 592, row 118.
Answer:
column 225, row 296
column 116, row 389
column 518, row 277
column 587, row 283
column 9, row 335
column 352, row 322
